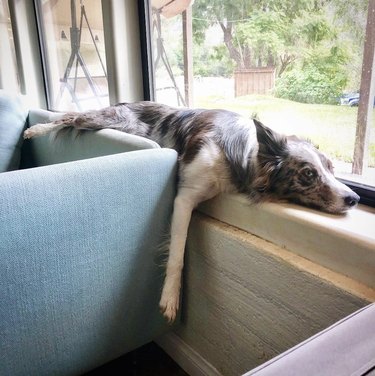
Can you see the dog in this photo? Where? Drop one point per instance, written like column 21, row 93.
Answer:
column 218, row 151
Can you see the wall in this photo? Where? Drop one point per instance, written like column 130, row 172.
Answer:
column 246, row 300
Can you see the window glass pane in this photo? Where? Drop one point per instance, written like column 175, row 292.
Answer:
column 8, row 68
column 168, row 56
column 296, row 65
column 74, row 53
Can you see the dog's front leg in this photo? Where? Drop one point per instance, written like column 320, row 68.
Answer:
column 183, row 206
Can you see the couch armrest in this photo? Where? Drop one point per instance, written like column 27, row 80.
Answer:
column 46, row 150
column 80, row 271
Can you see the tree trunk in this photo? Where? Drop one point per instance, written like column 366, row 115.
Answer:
column 285, row 61
column 240, row 56
column 367, row 91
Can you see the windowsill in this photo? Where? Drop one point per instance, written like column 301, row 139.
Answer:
column 344, row 244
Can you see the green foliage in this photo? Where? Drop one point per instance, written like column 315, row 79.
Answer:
column 272, row 33
column 284, row 33
column 308, row 86
column 213, row 61
column 317, row 28
column 264, row 34
column 321, row 79
column 256, row 33
column 315, row 45
column 351, row 16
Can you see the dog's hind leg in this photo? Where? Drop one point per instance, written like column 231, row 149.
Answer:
column 43, row 129
column 183, row 206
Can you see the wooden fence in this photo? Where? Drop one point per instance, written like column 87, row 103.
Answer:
column 254, row 81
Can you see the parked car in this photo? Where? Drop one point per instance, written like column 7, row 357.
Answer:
column 351, row 99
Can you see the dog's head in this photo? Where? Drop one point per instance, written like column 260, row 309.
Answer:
column 294, row 170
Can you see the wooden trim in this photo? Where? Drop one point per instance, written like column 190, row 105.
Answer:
column 185, row 356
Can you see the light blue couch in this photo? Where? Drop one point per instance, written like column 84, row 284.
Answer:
column 80, row 270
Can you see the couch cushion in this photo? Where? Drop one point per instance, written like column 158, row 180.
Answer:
column 13, row 116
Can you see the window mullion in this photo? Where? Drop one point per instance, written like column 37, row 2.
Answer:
column 123, row 56
column 23, row 19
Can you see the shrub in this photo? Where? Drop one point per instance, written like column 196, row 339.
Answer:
column 321, row 79
column 310, row 86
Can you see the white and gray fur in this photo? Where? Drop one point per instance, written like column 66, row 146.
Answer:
column 219, row 151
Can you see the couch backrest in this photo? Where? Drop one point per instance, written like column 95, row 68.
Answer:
column 47, row 150
column 13, row 115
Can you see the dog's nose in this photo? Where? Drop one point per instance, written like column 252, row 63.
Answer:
column 351, row 199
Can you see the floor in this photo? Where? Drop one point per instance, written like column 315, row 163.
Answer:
column 149, row 360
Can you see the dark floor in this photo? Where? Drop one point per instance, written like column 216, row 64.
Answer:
column 149, row 360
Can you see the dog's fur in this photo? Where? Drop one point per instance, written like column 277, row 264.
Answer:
column 219, row 151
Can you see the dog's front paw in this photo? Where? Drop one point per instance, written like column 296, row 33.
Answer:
column 169, row 307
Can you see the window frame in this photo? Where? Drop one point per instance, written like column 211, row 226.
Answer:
column 28, row 52
column 43, row 54
column 121, row 34
column 365, row 192
column 45, row 62
column 144, row 13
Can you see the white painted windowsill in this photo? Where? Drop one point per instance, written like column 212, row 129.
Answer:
column 342, row 243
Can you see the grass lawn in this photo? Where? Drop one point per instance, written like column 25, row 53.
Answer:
column 331, row 127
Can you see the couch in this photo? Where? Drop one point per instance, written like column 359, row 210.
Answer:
column 81, row 224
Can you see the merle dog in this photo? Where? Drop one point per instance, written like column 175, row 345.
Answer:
column 219, row 151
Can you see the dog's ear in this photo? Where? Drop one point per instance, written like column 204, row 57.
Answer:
column 270, row 143
column 272, row 152
column 293, row 137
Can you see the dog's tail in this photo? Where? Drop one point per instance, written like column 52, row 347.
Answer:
column 55, row 126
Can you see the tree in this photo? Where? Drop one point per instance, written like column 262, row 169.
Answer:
column 315, row 45
column 256, row 33
column 350, row 19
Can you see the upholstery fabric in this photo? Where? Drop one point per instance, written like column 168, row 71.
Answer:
column 13, row 116
column 346, row 348
column 81, row 275
column 45, row 150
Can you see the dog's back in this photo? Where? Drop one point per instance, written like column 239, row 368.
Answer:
column 242, row 154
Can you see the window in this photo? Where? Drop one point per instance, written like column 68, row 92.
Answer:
column 74, row 54
column 297, row 66
column 8, row 68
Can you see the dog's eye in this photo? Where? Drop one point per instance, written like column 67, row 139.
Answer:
column 308, row 173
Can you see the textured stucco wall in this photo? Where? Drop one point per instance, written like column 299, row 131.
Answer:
column 246, row 300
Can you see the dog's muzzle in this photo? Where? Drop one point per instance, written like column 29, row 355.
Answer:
column 351, row 200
